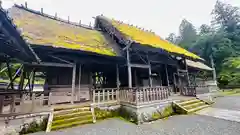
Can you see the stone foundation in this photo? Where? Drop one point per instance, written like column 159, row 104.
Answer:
column 13, row 124
column 145, row 112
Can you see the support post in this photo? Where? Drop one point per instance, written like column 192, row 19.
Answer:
column 186, row 66
column 129, row 70
column 73, row 82
column 10, row 75
column 117, row 75
column 1, row 103
column 149, row 72
column 166, row 70
column 79, row 82
column 33, row 79
column 22, row 78
column 213, row 71
column 150, row 76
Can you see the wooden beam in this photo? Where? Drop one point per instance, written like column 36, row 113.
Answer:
column 15, row 75
column 139, row 65
column 129, row 70
column 73, row 82
column 62, row 60
column 50, row 64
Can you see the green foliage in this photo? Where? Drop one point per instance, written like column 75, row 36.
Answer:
column 103, row 114
column 230, row 75
column 34, row 127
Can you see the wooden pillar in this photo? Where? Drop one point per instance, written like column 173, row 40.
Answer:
column 73, row 82
column 33, row 79
column 79, row 82
column 150, row 75
column 213, row 70
column 166, row 70
column 22, row 78
column 10, row 75
column 135, row 78
column 129, row 70
column 117, row 75
column 186, row 66
column 1, row 103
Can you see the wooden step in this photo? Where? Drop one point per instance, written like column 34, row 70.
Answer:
column 71, row 111
column 189, row 102
column 72, row 124
column 70, row 120
column 197, row 108
column 70, row 115
column 194, row 105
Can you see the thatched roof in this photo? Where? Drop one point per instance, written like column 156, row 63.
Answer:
column 147, row 38
column 46, row 30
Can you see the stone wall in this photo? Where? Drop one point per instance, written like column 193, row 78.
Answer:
column 145, row 112
column 13, row 125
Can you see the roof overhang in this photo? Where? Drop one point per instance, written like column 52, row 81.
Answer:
column 198, row 65
column 11, row 43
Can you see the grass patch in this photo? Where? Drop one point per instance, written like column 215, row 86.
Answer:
column 229, row 92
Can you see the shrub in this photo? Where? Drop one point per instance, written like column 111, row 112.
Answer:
column 34, row 127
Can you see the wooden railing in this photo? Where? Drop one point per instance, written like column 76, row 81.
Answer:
column 105, row 95
column 144, row 95
column 131, row 95
column 21, row 101
column 188, row 90
column 17, row 101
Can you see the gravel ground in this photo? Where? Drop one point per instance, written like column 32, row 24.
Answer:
column 176, row 125
column 228, row 102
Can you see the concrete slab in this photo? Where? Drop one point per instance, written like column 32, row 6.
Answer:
column 225, row 114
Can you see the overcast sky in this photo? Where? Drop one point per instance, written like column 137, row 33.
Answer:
column 161, row 16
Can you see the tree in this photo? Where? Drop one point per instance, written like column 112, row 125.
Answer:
column 226, row 15
column 187, row 34
column 172, row 38
column 205, row 29
column 231, row 71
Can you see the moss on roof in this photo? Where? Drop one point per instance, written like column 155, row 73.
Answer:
column 150, row 38
column 42, row 30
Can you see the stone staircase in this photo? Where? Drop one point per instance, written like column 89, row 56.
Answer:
column 70, row 117
column 189, row 106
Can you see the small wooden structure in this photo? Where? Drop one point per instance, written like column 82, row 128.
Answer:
column 102, row 64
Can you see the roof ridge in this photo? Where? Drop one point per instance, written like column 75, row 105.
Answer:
column 53, row 17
